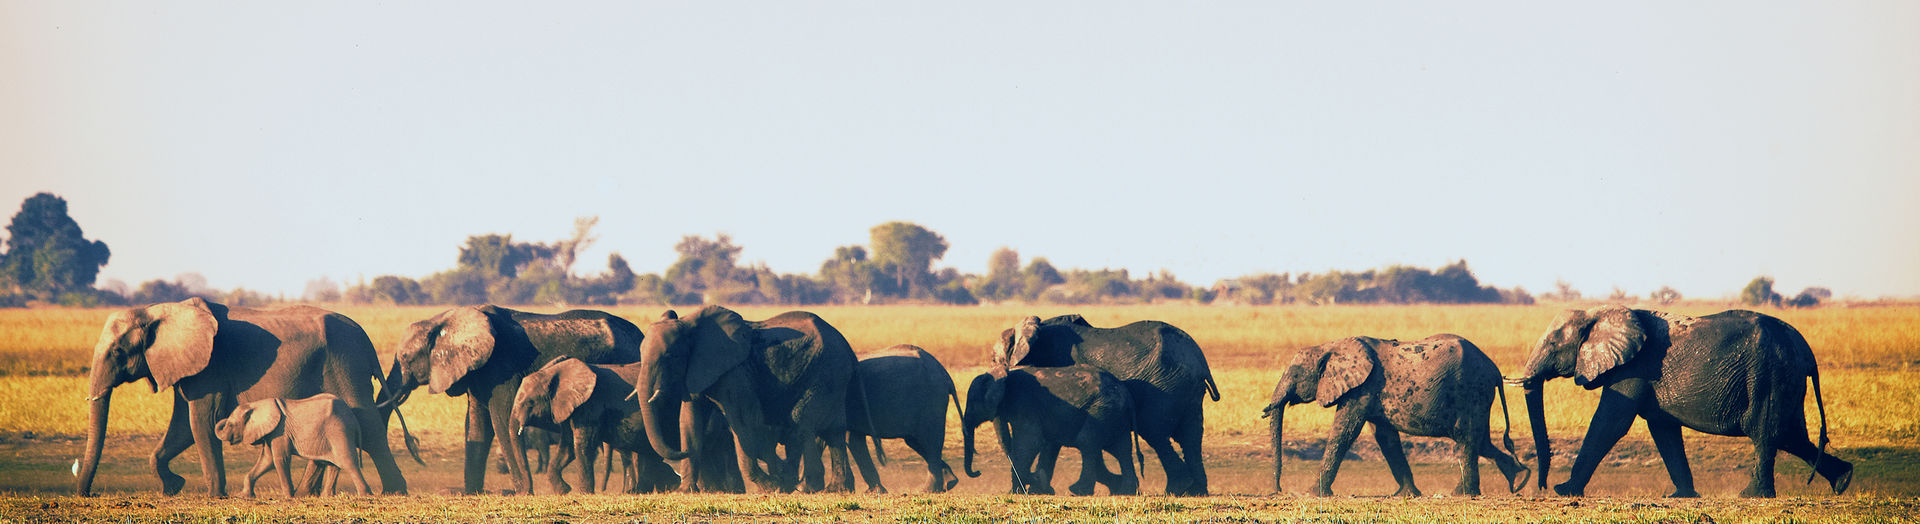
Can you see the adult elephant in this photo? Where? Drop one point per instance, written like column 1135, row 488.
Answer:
column 1734, row 373
column 1163, row 368
column 778, row 381
column 483, row 352
column 214, row 358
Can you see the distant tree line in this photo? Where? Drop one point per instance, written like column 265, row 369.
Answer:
column 49, row 261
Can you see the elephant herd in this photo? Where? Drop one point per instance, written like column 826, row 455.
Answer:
column 716, row 403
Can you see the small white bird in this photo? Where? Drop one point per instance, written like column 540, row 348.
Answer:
column 76, row 467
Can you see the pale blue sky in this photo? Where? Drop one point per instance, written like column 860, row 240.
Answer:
column 1635, row 144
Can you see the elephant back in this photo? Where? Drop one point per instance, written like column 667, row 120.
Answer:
column 1149, row 350
column 807, row 366
column 296, row 352
column 593, row 337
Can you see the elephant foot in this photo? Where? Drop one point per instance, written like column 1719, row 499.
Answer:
column 1518, row 479
column 876, row 489
column 1567, row 489
column 1322, row 491
column 1080, row 489
column 1841, row 481
column 171, row 483
column 1407, row 491
column 1463, row 491
column 1757, row 492
column 1684, row 494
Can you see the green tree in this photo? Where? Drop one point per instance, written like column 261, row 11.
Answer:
column 906, row 252
column 1759, row 292
column 47, row 254
column 705, row 272
column 498, row 255
column 1003, row 280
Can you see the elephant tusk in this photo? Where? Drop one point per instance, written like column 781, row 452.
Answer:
column 76, row 467
column 91, row 398
column 1515, row 381
column 655, row 398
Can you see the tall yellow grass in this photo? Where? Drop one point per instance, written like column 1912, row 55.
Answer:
column 1869, row 357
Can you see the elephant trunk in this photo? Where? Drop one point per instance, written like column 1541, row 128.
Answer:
column 96, row 439
column 657, row 436
column 515, row 450
column 1542, row 447
column 966, row 438
column 1278, row 413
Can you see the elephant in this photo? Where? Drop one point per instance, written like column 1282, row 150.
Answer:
column 213, row 358
column 1164, row 370
column 778, row 381
column 320, row 428
column 587, row 403
column 1035, row 411
column 539, row 441
column 712, row 468
column 1439, row 386
column 1733, row 373
column 905, row 390
column 483, row 351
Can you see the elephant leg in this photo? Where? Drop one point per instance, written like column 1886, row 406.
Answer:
column 1128, row 481
column 178, row 438
column 373, row 440
column 940, row 477
column 839, row 472
column 1510, row 466
column 1093, row 470
column 200, row 418
column 1839, row 473
column 259, row 469
column 864, row 460
column 1189, row 438
column 479, row 443
column 1395, row 455
column 813, row 477
column 1346, row 428
column 1610, row 422
column 282, row 462
column 1673, row 453
column 1170, row 463
column 316, row 481
column 499, row 408
column 1764, row 452
column 562, row 456
column 586, row 445
column 359, row 478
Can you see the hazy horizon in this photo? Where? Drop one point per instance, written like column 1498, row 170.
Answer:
column 1635, row 145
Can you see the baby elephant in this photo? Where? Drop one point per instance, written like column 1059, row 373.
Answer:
column 1440, row 386
column 901, row 392
column 1039, row 409
column 320, row 428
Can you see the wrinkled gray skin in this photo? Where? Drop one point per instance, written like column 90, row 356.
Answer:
column 320, row 428
column 906, row 390
column 713, row 466
column 588, row 404
column 483, row 351
column 1733, row 373
column 538, row 441
column 214, row 358
column 1036, row 411
column 780, row 381
column 1439, row 386
column 1162, row 367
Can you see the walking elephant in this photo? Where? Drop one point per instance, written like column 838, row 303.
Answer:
column 778, row 381
column 901, row 392
column 483, row 352
column 1162, row 367
column 1036, row 411
column 587, row 405
column 319, row 428
column 1439, row 386
column 1734, row 373
column 213, row 357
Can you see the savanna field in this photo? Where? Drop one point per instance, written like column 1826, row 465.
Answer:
column 1869, row 360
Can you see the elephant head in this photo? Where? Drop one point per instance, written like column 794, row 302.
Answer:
column 440, row 351
column 252, row 423
column 1015, row 342
column 682, row 359
column 984, row 396
column 1322, row 374
column 162, row 343
column 548, row 397
column 1581, row 344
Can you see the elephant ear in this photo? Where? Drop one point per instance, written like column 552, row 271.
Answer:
column 721, row 340
column 573, row 384
column 1021, row 343
column 465, row 342
column 1613, row 340
column 182, row 340
column 1345, row 366
column 262, row 420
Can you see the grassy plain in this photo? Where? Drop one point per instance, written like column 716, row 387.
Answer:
column 1869, row 358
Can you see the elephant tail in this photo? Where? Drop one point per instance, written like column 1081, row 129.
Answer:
column 1813, row 466
column 1138, row 454
column 413, row 444
column 1213, row 390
